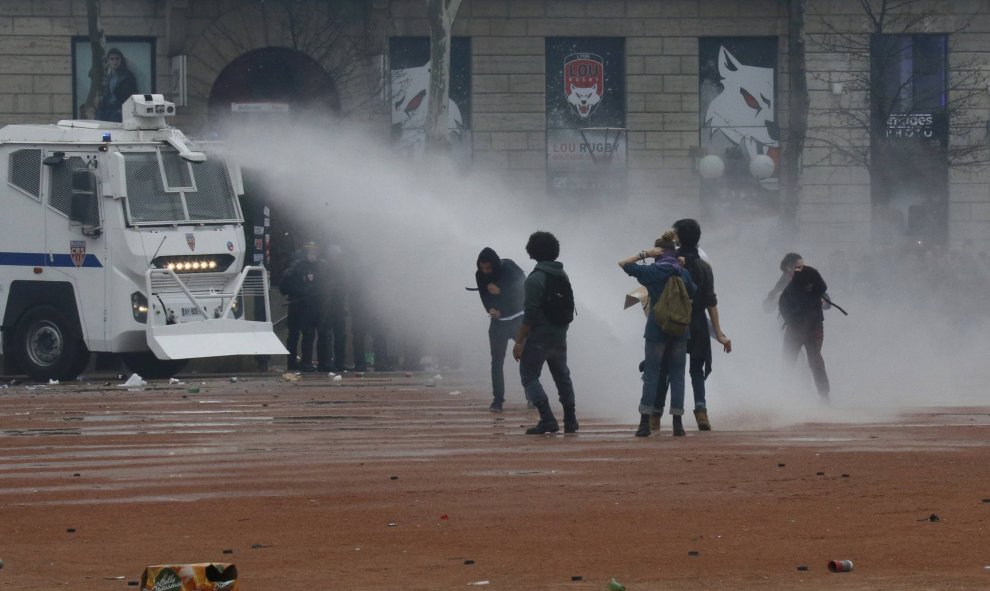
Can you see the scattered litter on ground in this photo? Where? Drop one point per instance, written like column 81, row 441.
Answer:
column 70, row 530
column 290, row 377
column 802, row 567
column 577, row 578
column 430, row 383
column 840, row 566
column 480, row 583
column 134, row 380
column 819, row 474
column 614, row 585
column 174, row 381
column 694, row 553
column 52, row 382
column 228, row 550
column 468, row 562
column 193, row 389
column 233, row 379
column 338, row 378
column 408, row 374
column 455, row 393
column 120, row 578
column 392, row 524
column 393, row 477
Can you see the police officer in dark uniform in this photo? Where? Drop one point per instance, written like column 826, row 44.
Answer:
column 304, row 283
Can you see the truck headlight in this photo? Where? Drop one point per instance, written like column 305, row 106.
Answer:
column 139, row 307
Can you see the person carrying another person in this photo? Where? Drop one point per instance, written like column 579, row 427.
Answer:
column 687, row 233
column 659, row 344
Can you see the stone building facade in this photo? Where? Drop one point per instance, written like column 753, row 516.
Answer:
column 676, row 67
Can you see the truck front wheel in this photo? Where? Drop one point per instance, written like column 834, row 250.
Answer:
column 149, row 367
column 46, row 346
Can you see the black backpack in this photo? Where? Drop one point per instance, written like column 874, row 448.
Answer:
column 558, row 300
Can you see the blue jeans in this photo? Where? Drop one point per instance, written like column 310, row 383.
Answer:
column 534, row 354
column 696, row 369
column 675, row 350
column 499, row 334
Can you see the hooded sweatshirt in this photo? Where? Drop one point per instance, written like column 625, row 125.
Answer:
column 540, row 329
column 800, row 303
column 509, row 278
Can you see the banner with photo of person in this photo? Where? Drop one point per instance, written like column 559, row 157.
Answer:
column 409, row 63
column 739, row 161
column 586, row 116
column 129, row 68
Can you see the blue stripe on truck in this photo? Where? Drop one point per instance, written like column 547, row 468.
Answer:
column 41, row 259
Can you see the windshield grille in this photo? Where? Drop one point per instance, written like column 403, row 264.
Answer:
column 205, row 197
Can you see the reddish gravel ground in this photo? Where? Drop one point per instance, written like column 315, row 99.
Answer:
column 382, row 483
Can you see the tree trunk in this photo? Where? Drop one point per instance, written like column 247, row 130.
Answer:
column 798, row 106
column 441, row 14
column 98, row 45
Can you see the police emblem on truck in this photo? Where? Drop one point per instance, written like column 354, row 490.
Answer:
column 77, row 251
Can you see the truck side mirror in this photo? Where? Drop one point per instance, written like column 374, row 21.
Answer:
column 84, row 208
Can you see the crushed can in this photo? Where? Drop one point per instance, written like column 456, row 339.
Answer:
column 840, row 566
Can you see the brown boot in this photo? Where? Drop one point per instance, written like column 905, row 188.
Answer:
column 701, row 415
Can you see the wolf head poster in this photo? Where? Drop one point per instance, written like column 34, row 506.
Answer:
column 738, row 111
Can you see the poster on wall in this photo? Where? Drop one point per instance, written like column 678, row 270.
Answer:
column 586, row 116
column 740, row 141
column 409, row 62
column 129, row 68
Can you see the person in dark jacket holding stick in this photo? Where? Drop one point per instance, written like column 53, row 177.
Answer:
column 500, row 285
column 800, row 306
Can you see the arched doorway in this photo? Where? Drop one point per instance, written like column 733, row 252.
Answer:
column 272, row 82
column 262, row 89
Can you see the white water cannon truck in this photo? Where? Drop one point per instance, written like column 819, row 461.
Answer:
column 124, row 238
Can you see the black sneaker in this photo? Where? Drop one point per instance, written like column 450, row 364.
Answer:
column 571, row 426
column 678, row 427
column 495, row 407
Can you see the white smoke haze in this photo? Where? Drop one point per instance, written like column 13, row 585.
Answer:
column 414, row 230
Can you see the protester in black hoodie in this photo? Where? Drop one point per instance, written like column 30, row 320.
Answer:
column 800, row 306
column 500, row 284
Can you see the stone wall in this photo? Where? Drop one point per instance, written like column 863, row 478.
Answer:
column 508, row 83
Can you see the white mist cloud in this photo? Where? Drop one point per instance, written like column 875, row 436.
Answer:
column 414, row 230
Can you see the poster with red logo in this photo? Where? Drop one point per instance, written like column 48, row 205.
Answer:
column 586, row 117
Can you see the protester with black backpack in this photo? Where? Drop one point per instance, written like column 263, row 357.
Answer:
column 542, row 337
column 663, row 279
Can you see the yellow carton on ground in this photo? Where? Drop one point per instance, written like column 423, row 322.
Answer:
column 190, row 577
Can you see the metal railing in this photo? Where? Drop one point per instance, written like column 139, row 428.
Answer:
column 167, row 285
